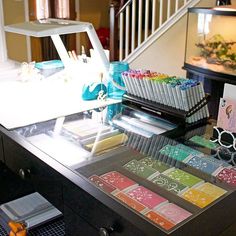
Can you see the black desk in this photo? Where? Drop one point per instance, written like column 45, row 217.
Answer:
column 88, row 210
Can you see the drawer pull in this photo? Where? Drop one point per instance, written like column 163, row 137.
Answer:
column 105, row 231
column 24, row 174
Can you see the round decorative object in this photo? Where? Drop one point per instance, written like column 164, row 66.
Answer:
column 224, row 154
column 220, row 138
column 233, row 158
column 218, row 132
column 234, row 144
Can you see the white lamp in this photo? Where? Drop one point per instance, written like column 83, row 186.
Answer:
column 54, row 28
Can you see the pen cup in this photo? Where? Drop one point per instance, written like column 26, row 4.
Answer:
column 116, row 86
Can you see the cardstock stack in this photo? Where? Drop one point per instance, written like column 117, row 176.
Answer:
column 228, row 176
column 184, row 177
column 175, row 152
column 203, row 164
column 100, row 136
column 155, row 164
column 174, row 213
column 130, row 202
column 107, row 143
column 159, row 220
column 146, row 197
column 198, row 198
column 169, row 184
column 190, row 150
column 179, row 152
column 212, row 190
column 140, row 169
column 204, row 142
column 85, row 128
column 217, row 161
column 102, row 184
column 118, row 180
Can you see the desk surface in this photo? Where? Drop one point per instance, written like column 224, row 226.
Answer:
column 135, row 147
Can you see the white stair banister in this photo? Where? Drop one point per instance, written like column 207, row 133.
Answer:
column 154, row 6
column 127, row 23
column 168, row 9
column 146, row 19
column 161, row 13
column 141, row 21
column 176, row 5
column 133, row 25
column 121, row 45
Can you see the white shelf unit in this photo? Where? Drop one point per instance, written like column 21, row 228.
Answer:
column 54, row 28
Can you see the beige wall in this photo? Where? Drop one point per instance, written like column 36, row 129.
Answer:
column 16, row 44
column 95, row 12
column 167, row 53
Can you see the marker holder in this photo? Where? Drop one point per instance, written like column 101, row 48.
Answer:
column 165, row 112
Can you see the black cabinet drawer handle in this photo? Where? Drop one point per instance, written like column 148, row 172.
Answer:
column 105, row 231
column 24, row 174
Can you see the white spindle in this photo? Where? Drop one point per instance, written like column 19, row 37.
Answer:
column 133, row 25
column 161, row 13
column 168, row 9
column 140, row 22
column 146, row 19
column 121, row 35
column 154, row 6
column 127, row 14
column 129, row 36
column 176, row 5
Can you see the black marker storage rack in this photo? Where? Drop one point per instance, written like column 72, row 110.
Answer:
column 165, row 112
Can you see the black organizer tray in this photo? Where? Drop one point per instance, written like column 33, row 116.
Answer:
column 117, row 162
column 171, row 114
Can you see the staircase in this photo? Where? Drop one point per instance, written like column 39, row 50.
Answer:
column 142, row 22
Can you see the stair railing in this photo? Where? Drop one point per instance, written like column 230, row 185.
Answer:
column 135, row 21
